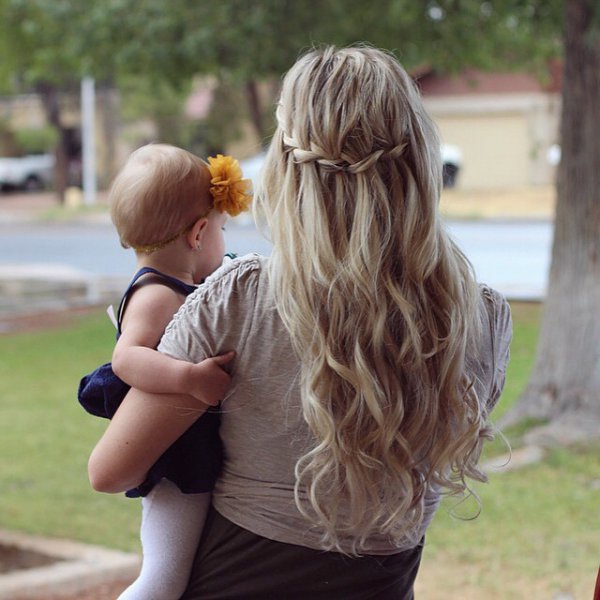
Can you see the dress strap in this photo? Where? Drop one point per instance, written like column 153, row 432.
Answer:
column 163, row 279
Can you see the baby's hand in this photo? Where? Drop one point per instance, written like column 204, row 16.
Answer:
column 208, row 381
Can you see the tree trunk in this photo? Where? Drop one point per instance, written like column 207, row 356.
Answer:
column 50, row 100
column 108, row 101
column 564, row 388
column 255, row 109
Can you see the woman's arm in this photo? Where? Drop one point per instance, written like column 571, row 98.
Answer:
column 143, row 427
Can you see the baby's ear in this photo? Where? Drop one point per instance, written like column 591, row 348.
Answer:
column 196, row 233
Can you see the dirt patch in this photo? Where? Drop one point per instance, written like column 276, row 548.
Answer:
column 38, row 321
column 104, row 591
column 13, row 558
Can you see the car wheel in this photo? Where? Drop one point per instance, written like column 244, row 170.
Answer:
column 449, row 174
column 33, row 183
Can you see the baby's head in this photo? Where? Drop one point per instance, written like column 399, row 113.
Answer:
column 159, row 192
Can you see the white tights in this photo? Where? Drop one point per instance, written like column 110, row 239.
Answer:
column 171, row 526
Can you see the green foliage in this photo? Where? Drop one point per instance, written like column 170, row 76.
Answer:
column 36, row 140
column 40, row 42
column 513, row 34
column 160, row 102
column 60, row 40
column 152, row 50
column 223, row 123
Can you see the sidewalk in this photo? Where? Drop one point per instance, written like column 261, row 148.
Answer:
column 65, row 570
column 519, row 203
column 20, row 207
column 31, row 297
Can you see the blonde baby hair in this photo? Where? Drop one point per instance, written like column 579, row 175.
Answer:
column 159, row 192
column 380, row 304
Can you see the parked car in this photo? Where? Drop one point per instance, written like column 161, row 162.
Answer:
column 451, row 158
column 31, row 172
column 452, row 162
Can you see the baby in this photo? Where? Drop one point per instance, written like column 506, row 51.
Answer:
column 171, row 208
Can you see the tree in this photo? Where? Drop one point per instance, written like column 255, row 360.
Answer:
column 50, row 44
column 564, row 388
column 47, row 46
column 38, row 54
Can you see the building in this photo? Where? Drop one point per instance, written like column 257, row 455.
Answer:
column 505, row 125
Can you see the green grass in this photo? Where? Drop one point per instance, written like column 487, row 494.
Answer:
column 67, row 213
column 45, row 438
column 526, row 322
column 537, row 531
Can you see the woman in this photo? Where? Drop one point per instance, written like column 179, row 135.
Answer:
column 368, row 358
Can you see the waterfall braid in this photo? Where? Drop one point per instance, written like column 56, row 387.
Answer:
column 381, row 306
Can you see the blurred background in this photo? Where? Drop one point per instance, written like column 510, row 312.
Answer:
column 82, row 84
column 108, row 76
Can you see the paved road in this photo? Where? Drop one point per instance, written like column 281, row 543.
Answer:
column 512, row 256
column 93, row 248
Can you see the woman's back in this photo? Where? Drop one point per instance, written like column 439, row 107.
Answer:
column 263, row 428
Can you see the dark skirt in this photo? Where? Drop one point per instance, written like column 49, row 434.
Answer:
column 233, row 563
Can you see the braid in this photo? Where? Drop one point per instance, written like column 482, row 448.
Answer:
column 344, row 163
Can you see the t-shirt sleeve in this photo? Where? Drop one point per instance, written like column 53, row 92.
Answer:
column 218, row 316
column 500, row 324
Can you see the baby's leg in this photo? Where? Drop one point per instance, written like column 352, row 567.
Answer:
column 171, row 526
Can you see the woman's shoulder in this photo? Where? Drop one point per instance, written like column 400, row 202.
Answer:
column 237, row 281
column 240, row 268
column 222, row 307
column 493, row 352
column 497, row 308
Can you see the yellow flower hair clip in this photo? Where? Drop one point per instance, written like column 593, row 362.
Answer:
column 231, row 193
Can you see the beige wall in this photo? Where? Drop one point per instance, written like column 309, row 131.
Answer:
column 494, row 147
column 504, row 138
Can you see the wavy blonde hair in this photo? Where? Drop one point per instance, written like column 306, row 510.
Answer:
column 381, row 306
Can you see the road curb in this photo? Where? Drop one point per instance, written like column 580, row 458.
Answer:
column 36, row 288
column 78, row 566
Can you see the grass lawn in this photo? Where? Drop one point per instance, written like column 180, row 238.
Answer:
column 537, row 534
column 45, row 438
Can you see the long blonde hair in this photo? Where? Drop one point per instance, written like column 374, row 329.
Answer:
column 381, row 306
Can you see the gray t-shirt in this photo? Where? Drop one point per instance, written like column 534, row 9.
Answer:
column 262, row 427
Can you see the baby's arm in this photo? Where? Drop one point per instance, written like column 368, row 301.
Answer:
column 136, row 361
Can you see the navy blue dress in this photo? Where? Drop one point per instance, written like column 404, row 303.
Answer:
column 194, row 461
